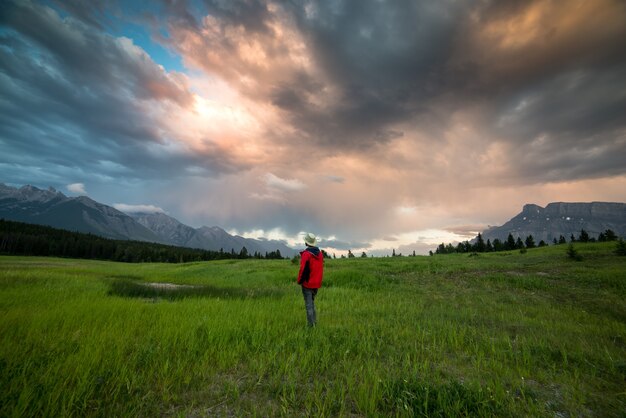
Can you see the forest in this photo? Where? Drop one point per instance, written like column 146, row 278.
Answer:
column 18, row 238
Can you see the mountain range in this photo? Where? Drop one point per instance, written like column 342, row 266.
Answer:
column 560, row 218
column 51, row 207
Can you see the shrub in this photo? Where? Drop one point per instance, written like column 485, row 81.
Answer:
column 573, row 253
column 620, row 248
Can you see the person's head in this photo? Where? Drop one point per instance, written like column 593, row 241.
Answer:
column 310, row 239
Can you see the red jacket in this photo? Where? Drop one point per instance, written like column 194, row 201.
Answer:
column 311, row 268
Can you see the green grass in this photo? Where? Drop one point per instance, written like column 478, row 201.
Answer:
column 501, row 334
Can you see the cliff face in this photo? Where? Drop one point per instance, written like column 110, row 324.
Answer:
column 563, row 219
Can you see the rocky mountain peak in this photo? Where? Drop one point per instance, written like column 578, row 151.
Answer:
column 563, row 218
column 33, row 194
column 50, row 207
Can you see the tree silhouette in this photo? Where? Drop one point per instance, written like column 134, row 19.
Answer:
column 480, row 244
column 584, row 236
column 610, row 235
column 510, row 242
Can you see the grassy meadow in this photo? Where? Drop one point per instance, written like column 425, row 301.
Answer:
column 500, row 334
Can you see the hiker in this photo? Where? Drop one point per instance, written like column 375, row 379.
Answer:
column 310, row 275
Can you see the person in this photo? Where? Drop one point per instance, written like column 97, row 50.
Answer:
column 311, row 275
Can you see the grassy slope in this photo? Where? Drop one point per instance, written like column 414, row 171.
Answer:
column 506, row 334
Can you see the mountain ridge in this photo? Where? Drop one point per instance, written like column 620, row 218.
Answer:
column 206, row 237
column 562, row 218
column 82, row 214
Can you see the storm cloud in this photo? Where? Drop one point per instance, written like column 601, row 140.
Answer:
column 354, row 119
column 78, row 99
column 540, row 76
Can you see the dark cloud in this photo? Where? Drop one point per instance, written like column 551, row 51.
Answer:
column 91, row 13
column 344, row 245
column 252, row 14
column 92, row 59
column 75, row 100
column 401, row 102
column 384, row 59
column 380, row 65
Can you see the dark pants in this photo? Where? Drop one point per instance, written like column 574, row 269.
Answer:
column 309, row 304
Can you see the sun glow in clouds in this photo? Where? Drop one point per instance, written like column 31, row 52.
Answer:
column 282, row 117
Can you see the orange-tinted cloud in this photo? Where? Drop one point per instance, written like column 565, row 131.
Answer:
column 355, row 119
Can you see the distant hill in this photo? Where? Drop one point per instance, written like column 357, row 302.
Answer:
column 52, row 208
column 561, row 218
column 209, row 238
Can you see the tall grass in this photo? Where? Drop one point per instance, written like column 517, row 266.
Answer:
column 504, row 334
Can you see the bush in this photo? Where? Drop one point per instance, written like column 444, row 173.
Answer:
column 620, row 248
column 573, row 253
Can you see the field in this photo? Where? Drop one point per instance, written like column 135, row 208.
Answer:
column 500, row 334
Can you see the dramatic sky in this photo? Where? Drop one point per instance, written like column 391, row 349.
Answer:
column 374, row 124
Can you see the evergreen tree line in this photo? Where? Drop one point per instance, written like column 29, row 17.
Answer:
column 17, row 238
column 480, row 246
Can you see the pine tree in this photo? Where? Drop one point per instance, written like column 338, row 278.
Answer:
column 530, row 242
column 610, row 235
column 480, row 244
column 510, row 242
column 584, row 236
column 519, row 244
column 620, row 248
column 562, row 240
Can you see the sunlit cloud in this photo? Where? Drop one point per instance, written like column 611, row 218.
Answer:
column 411, row 125
column 123, row 207
column 281, row 184
column 78, row 188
